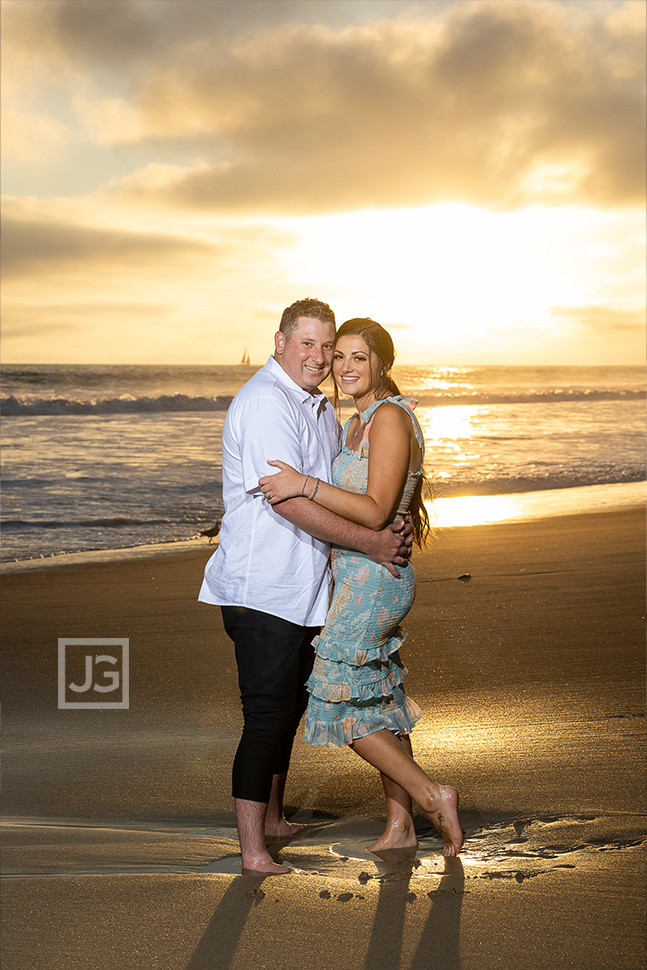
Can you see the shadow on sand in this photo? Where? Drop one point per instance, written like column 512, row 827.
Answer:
column 439, row 935
column 222, row 935
column 441, row 931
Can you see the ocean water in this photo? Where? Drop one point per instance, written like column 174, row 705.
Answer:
column 112, row 457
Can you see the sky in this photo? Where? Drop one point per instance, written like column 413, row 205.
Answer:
column 470, row 173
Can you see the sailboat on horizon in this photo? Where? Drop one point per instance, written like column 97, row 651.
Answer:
column 245, row 359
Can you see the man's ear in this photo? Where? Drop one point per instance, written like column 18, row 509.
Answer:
column 279, row 342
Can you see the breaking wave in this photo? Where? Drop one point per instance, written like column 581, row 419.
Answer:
column 12, row 406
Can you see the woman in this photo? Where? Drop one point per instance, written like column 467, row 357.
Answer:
column 356, row 692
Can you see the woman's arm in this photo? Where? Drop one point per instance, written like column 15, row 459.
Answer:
column 390, row 547
column 388, row 464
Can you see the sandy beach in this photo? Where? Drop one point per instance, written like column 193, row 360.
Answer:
column 119, row 843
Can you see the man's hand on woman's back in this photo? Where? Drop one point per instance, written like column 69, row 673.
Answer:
column 392, row 546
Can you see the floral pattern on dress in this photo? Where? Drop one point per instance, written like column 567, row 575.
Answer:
column 356, row 686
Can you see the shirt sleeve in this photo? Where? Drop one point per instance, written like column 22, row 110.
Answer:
column 268, row 429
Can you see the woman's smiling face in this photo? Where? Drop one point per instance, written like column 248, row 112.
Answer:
column 352, row 366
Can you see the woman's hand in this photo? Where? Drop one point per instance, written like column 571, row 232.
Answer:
column 287, row 483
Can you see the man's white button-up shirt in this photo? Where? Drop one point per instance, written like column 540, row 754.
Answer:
column 263, row 561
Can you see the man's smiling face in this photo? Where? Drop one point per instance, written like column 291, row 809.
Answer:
column 306, row 353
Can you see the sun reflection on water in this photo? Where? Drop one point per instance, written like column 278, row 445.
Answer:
column 452, row 422
column 473, row 510
column 485, row 509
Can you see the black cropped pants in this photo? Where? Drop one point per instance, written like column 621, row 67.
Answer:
column 274, row 659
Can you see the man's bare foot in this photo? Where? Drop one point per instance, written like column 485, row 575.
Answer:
column 263, row 865
column 281, row 829
column 445, row 818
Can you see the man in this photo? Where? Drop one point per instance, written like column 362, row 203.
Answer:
column 270, row 573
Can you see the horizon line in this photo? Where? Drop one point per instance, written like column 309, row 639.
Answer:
column 134, row 363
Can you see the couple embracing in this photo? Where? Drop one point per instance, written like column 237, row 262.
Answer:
column 338, row 498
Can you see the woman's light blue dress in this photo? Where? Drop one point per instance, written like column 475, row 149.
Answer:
column 356, row 683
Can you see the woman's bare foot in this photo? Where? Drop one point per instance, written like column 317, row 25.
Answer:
column 398, row 860
column 396, row 835
column 444, row 815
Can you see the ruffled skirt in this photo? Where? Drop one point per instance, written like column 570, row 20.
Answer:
column 356, row 686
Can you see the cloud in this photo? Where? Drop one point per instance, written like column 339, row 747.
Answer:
column 601, row 319
column 32, row 137
column 45, row 246
column 71, row 35
column 68, row 40
column 107, row 121
column 500, row 104
column 133, row 35
column 293, row 107
column 34, row 320
column 156, row 140
column 74, row 291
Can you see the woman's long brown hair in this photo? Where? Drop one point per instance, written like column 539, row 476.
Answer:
column 382, row 355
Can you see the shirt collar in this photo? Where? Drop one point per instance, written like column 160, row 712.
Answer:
column 317, row 400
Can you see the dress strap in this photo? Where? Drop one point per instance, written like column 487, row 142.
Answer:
column 407, row 404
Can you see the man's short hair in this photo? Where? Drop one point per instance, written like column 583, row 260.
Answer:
column 314, row 309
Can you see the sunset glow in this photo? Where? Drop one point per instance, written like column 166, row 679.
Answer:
column 177, row 173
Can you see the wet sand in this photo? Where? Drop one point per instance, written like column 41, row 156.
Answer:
column 119, row 845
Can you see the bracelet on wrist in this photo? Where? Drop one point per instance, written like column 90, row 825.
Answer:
column 311, row 497
column 305, row 482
